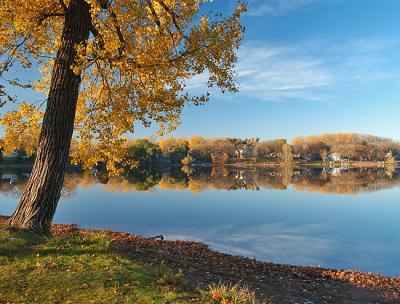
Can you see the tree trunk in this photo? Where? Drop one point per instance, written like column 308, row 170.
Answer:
column 38, row 204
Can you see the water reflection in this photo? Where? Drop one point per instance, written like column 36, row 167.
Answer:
column 281, row 215
column 196, row 180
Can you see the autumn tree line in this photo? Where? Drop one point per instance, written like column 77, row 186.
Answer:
column 322, row 148
column 200, row 150
column 219, row 151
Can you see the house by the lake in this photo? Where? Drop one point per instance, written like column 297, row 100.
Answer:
column 334, row 157
column 244, row 152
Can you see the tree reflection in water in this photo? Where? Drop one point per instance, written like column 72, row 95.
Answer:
column 323, row 180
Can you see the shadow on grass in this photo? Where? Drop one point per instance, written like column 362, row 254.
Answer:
column 44, row 269
column 18, row 244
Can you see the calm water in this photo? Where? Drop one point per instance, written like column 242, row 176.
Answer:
column 343, row 219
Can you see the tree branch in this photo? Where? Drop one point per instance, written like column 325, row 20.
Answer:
column 44, row 16
column 97, row 35
column 155, row 16
column 118, row 29
column 184, row 53
column 173, row 15
column 63, row 5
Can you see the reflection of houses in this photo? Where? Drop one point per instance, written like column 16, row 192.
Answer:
column 239, row 175
column 9, row 177
column 244, row 175
column 245, row 151
column 13, row 178
column 333, row 171
column 11, row 155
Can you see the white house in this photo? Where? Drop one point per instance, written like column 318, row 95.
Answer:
column 246, row 151
column 334, row 157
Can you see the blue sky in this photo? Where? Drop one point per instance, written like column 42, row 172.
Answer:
column 307, row 67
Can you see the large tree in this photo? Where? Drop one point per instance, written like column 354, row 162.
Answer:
column 106, row 64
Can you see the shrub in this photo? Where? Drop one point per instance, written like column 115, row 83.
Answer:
column 170, row 280
column 230, row 294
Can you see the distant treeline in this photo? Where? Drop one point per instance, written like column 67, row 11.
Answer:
column 199, row 150
column 329, row 147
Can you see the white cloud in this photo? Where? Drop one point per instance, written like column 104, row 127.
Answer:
column 277, row 7
column 308, row 244
column 363, row 61
column 277, row 242
column 276, row 73
column 308, row 71
column 273, row 73
column 274, row 242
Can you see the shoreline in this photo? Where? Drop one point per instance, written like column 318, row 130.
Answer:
column 351, row 165
column 294, row 164
column 285, row 283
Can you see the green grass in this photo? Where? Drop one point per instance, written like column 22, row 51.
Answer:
column 61, row 269
column 73, row 269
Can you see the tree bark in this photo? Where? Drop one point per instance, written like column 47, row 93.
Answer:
column 39, row 201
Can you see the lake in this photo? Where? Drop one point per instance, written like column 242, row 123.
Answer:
column 348, row 219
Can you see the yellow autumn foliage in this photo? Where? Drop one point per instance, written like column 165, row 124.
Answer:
column 22, row 129
column 134, row 67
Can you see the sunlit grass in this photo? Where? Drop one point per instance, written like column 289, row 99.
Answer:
column 74, row 269
column 61, row 269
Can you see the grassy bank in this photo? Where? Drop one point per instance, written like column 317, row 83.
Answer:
column 87, row 266
column 75, row 269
